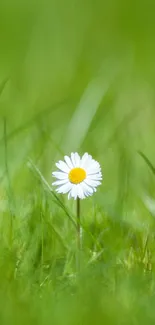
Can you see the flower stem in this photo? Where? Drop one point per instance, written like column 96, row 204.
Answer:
column 78, row 224
column 78, row 235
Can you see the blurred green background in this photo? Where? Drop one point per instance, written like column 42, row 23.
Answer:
column 77, row 76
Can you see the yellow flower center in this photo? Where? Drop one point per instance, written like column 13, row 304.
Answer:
column 77, row 175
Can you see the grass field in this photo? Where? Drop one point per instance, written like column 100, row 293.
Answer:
column 77, row 76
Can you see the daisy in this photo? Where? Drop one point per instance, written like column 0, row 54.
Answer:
column 77, row 176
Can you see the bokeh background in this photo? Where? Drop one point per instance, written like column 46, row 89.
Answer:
column 77, row 76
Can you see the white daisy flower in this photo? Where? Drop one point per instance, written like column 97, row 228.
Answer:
column 77, row 176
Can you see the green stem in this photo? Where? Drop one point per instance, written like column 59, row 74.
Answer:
column 78, row 235
column 78, row 224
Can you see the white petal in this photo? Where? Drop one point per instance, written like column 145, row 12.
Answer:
column 72, row 159
column 94, row 165
column 69, row 195
column 74, row 192
column 87, row 189
column 95, row 177
column 77, row 159
column 92, row 183
column 60, row 182
column 63, row 166
column 68, row 162
column 84, row 158
column 60, row 175
column 93, row 170
column 80, row 191
column 85, row 161
column 64, row 188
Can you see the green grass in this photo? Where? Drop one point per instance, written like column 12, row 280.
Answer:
column 77, row 76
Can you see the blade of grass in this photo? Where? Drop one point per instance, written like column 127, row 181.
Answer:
column 148, row 162
column 9, row 187
column 47, row 187
column 58, row 235
column 2, row 86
